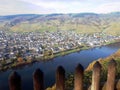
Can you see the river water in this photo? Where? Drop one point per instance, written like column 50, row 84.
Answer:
column 69, row 62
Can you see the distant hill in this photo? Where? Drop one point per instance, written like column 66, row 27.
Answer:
column 79, row 22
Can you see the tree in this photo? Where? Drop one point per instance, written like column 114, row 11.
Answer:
column 20, row 59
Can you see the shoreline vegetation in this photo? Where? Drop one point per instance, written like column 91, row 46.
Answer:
column 20, row 62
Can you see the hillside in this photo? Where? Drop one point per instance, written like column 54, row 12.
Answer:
column 80, row 22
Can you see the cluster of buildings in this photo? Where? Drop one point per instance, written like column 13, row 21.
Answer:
column 36, row 44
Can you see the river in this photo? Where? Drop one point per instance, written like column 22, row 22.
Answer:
column 69, row 62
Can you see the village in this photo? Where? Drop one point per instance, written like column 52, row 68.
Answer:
column 39, row 44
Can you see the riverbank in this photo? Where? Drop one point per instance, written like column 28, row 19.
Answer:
column 46, row 58
column 43, row 58
column 64, row 52
column 103, row 61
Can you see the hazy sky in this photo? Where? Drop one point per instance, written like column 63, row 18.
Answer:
column 8, row 7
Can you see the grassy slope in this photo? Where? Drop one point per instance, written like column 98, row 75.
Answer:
column 26, row 27
column 113, row 29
